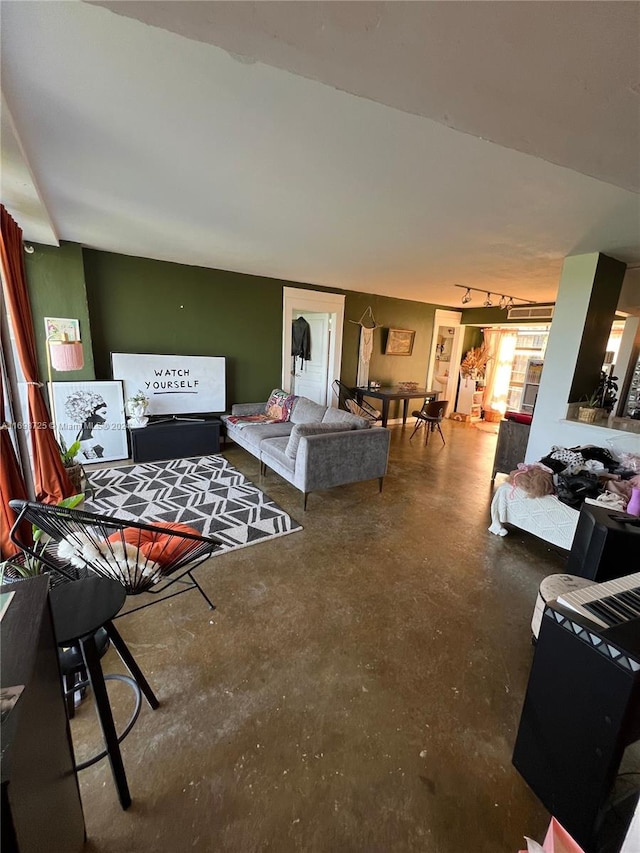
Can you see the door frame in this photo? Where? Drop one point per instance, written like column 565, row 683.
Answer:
column 298, row 299
column 451, row 319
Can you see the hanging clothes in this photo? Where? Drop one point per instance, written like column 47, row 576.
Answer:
column 300, row 341
column 364, row 355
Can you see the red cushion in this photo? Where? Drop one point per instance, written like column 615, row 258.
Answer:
column 161, row 548
column 519, row 417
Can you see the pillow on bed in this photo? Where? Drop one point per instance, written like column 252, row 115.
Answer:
column 279, row 405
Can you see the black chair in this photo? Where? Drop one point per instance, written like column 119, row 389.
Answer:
column 141, row 557
column 348, row 400
column 429, row 417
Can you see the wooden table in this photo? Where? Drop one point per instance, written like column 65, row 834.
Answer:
column 394, row 393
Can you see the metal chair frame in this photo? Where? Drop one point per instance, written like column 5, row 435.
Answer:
column 429, row 417
column 184, row 551
column 347, row 400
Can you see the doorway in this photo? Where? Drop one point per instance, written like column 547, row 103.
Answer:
column 325, row 314
column 446, row 350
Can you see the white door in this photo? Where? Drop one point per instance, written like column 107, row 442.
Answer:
column 310, row 377
column 313, row 303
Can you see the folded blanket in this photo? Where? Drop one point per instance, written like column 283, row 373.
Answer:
column 242, row 421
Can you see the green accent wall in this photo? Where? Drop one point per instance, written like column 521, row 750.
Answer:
column 148, row 306
column 395, row 314
column 55, row 280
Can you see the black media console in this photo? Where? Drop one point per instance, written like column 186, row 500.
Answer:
column 175, row 439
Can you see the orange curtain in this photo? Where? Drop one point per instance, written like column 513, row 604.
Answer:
column 50, row 479
column 12, row 486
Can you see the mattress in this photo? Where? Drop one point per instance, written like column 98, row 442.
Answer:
column 546, row 517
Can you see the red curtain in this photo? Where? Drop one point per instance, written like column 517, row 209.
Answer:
column 12, row 486
column 50, row 479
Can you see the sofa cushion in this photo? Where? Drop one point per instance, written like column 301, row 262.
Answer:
column 300, row 430
column 305, row 411
column 274, row 450
column 279, row 405
column 251, row 436
column 348, row 421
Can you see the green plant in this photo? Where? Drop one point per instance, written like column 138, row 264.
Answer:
column 27, row 565
column 591, row 401
column 68, row 455
column 139, row 398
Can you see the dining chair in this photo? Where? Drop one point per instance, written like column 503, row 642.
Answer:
column 429, row 417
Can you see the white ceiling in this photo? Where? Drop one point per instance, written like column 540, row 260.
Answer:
column 333, row 143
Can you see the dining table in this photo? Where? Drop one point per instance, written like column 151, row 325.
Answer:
column 388, row 393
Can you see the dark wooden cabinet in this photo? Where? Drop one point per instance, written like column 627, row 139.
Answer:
column 41, row 808
column 175, row 439
column 511, row 448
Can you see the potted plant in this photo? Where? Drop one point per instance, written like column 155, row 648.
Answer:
column 589, row 407
column 73, row 468
column 136, row 409
column 25, row 565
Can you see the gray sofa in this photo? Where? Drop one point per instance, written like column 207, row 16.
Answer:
column 318, row 447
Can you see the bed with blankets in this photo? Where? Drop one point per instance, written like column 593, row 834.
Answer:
column 544, row 498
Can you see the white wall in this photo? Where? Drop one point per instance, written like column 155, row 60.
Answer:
column 549, row 424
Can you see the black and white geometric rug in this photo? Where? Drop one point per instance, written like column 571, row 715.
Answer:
column 205, row 492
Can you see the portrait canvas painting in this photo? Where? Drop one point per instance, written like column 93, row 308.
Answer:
column 93, row 414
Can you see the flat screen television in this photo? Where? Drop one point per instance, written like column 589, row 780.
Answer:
column 174, row 384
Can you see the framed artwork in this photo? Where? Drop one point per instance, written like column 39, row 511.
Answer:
column 62, row 329
column 93, row 414
column 400, row 342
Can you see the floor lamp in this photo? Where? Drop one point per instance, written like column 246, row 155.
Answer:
column 63, row 356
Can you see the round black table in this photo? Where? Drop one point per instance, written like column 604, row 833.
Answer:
column 79, row 609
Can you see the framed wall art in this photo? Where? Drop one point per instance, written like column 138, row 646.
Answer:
column 400, row 342
column 93, row 414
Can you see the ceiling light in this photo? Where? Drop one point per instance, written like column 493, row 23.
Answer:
column 506, row 301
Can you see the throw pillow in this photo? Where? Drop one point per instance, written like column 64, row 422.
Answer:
column 301, row 430
column 161, row 548
column 279, row 405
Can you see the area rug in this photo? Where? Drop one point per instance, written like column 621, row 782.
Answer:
column 487, row 426
column 205, row 492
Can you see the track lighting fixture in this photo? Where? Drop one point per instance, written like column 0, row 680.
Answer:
column 506, row 301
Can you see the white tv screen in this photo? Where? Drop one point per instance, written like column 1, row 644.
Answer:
column 174, row 384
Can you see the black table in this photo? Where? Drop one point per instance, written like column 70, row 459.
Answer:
column 79, row 609
column 394, row 393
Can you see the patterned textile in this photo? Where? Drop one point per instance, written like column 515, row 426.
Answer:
column 205, row 492
column 242, row 421
column 279, row 405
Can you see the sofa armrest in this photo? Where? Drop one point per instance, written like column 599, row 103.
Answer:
column 335, row 458
column 248, row 408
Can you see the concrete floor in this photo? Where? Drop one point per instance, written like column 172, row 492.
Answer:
column 358, row 687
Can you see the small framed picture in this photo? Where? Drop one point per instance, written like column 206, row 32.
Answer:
column 400, row 342
column 62, row 329
column 91, row 413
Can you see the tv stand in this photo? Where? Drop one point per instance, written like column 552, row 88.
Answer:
column 171, row 418
column 175, row 438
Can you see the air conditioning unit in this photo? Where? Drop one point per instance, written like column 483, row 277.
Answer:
column 531, row 312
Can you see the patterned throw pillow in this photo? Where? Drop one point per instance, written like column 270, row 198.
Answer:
column 279, row 405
